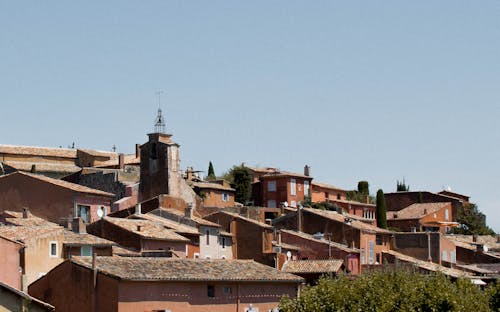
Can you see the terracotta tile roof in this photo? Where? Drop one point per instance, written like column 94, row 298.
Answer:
column 312, row 266
column 426, row 265
column 32, row 302
column 416, row 211
column 42, row 166
column 211, row 186
column 169, row 224
column 286, row 246
column 120, row 251
column 351, row 202
column 24, row 233
column 171, row 269
column 482, row 268
column 326, row 186
column 129, row 160
column 333, row 215
column 467, row 241
column 16, row 218
column 323, row 241
column 275, row 172
column 38, row 151
column 68, row 185
column 260, row 224
column 171, row 213
column 99, row 153
column 79, row 239
column 148, row 229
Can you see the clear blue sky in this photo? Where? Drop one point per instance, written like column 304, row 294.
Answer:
column 374, row 90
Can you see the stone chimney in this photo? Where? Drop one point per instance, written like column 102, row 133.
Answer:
column 137, row 150
column 474, row 238
column 139, row 228
column 188, row 211
column 307, row 170
column 138, row 209
column 189, row 174
column 26, row 212
column 121, row 161
column 78, row 226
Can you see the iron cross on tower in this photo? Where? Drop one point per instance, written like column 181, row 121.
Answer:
column 159, row 121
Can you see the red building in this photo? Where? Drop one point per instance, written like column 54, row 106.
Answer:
column 423, row 217
column 164, row 284
column 273, row 187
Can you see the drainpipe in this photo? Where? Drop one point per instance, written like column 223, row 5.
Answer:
column 429, row 258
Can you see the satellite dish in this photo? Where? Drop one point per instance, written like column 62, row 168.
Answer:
column 288, row 255
column 100, row 212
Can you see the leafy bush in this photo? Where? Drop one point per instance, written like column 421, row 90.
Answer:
column 391, row 292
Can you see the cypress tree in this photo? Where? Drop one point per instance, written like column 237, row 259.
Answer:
column 381, row 210
column 211, row 172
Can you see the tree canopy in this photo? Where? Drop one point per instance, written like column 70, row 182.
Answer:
column 240, row 178
column 401, row 186
column 394, row 291
column 472, row 221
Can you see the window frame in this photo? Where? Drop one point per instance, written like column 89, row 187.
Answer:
column 55, row 243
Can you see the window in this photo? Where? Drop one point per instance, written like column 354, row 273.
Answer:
column 446, row 215
column 53, row 249
column 86, row 251
column 228, row 290
column 223, row 242
column 211, row 291
column 338, row 196
column 379, row 239
column 84, row 213
column 444, row 256
column 293, row 203
column 453, row 258
column 306, row 188
column 271, row 186
column 271, row 203
column 225, row 197
column 363, row 256
column 293, row 187
column 207, row 234
column 371, row 252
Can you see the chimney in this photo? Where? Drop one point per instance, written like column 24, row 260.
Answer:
column 299, row 218
column 189, row 174
column 78, row 226
column 137, row 150
column 188, row 211
column 474, row 238
column 279, row 238
column 425, row 211
column 139, row 228
column 306, row 170
column 26, row 212
column 121, row 161
column 94, row 268
column 138, row 209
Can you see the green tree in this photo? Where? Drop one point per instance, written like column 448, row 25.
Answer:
column 211, row 172
column 472, row 221
column 392, row 291
column 240, row 179
column 401, row 186
column 381, row 210
column 363, row 187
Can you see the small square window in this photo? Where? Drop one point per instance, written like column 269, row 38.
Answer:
column 53, row 249
column 228, row 290
column 86, row 251
column 211, row 291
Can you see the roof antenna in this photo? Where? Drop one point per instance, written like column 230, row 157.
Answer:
column 159, row 121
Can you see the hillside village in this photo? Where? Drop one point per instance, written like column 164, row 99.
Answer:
column 89, row 230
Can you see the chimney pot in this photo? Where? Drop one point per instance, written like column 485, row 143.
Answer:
column 138, row 209
column 139, row 228
column 78, row 226
column 121, row 161
column 137, row 150
column 188, row 211
column 307, row 170
column 26, row 212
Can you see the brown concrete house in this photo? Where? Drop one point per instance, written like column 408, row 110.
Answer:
column 364, row 211
column 32, row 246
column 276, row 187
column 422, row 217
column 214, row 194
column 145, row 236
column 252, row 239
column 164, row 284
column 341, row 228
column 12, row 299
column 433, row 247
column 54, row 162
column 400, row 200
column 320, row 247
column 51, row 199
column 322, row 192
